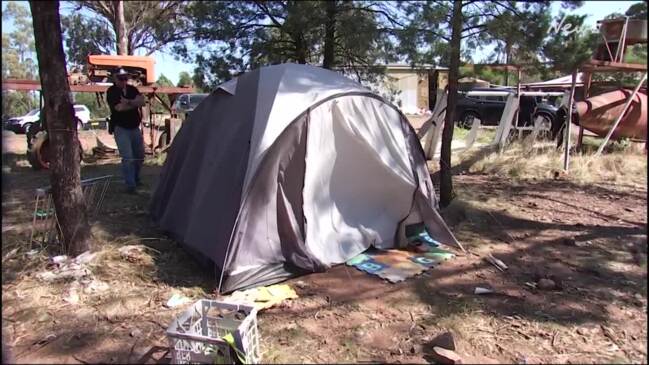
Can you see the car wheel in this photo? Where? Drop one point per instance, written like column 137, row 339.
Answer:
column 27, row 127
column 466, row 121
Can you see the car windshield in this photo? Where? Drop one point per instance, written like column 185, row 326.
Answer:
column 196, row 99
column 32, row 112
column 78, row 109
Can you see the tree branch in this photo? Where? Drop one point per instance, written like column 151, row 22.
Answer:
column 266, row 11
column 474, row 27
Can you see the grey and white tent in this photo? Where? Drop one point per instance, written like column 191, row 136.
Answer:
column 289, row 169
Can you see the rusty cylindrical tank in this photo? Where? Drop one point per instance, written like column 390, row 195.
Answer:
column 598, row 113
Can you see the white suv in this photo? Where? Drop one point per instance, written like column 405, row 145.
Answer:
column 22, row 124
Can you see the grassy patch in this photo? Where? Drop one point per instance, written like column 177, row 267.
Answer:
column 520, row 162
column 485, row 135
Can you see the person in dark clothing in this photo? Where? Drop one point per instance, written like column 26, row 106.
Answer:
column 124, row 102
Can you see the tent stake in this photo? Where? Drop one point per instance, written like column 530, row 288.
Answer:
column 619, row 117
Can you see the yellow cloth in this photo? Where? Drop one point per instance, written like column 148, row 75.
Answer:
column 263, row 297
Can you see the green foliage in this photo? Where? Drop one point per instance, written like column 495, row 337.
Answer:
column 15, row 103
column 157, row 107
column 233, row 37
column 567, row 52
column 184, row 79
column 518, row 35
column 86, row 36
column 150, row 26
column 18, row 51
column 637, row 10
column 98, row 109
column 18, row 58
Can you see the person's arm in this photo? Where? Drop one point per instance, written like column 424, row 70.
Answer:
column 128, row 104
column 138, row 101
column 113, row 98
column 116, row 101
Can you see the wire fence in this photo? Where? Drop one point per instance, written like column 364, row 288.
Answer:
column 45, row 225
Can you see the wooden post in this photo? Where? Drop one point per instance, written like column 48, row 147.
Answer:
column 587, row 77
column 566, row 153
column 619, row 117
column 518, row 92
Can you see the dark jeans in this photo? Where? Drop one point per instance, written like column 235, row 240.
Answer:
column 131, row 148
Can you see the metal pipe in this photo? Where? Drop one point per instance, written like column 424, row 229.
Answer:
column 610, row 55
column 566, row 152
column 619, row 118
column 541, row 93
column 622, row 43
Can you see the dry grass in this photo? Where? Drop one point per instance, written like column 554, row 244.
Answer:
column 521, row 162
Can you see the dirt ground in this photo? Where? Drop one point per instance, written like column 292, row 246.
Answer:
column 590, row 239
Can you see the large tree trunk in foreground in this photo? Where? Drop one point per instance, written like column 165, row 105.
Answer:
column 61, row 128
column 330, row 35
column 120, row 29
column 446, row 193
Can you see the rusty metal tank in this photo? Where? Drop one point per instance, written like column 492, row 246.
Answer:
column 598, row 113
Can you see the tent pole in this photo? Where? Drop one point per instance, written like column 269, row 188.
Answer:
column 566, row 148
column 619, row 117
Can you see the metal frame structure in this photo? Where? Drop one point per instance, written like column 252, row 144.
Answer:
column 594, row 66
column 150, row 91
column 431, row 131
column 45, row 225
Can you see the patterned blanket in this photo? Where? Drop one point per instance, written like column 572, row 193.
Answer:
column 398, row 265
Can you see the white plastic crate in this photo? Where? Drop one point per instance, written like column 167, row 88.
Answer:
column 196, row 335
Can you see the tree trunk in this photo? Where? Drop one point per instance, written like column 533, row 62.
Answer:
column 300, row 49
column 329, row 61
column 446, row 177
column 61, row 128
column 120, row 29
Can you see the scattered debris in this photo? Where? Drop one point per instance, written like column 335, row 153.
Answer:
column 531, row 285
column 59, row 259
column 496, row 262
column 135, row 333
column 44, row 341
column 131, row 253
column 44, row 317
column 415, row 349
column 263, row 297
column 638, row 299
column 95, row 286
column 10, row 254
column 443, row 356
column 569, row 241
column 85, row 258
column 587, row 331
column 65, row 272
column 176, row 300
column 479, row 290
column 72, row 297
column 546, row 284
column 610, row 334
column 445, row 340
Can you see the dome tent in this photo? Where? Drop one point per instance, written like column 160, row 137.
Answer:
column 289, row 169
